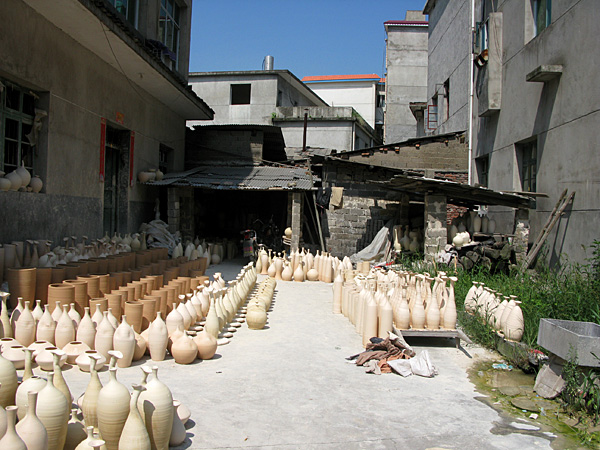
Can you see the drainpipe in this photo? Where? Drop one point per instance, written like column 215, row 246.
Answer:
column 304, row 130
column 471, row 89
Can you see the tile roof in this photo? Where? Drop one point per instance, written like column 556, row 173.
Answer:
column 370, row 76
column 257, row 178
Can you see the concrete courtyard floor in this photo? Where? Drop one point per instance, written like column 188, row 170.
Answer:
column 289, row 386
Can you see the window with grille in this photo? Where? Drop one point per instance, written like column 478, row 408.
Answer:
column 541, row 14
column 17, row 111
column 168, row 26
column 164, row 156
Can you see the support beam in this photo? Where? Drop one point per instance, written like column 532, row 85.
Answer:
column 296, row 219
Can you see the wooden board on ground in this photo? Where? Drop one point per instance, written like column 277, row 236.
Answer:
column 452, row 334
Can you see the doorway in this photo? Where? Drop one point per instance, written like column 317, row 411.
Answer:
column 116, row 180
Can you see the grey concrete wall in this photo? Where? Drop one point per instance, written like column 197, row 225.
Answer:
column 77, row 89
column 216, row 92
column 562, row 115
column 449, row 59
column 406, row 80
column 324, row 134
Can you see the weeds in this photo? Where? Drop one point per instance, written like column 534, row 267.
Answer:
column 582, row 389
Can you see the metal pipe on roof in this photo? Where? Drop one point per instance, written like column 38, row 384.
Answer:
column 304, row 131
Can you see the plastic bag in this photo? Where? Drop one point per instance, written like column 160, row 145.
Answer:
column 422, row 365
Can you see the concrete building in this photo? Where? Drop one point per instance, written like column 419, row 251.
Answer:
column 92, row 92
column 448, row 70
column 357, row 91
column 406, row 74
column 277, row 97
column 534, row 115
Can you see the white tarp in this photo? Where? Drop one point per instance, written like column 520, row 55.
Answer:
column 378, row 248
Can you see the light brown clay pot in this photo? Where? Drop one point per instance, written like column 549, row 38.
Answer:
column 135, row 434
column 83, row 360
column 207, row 345
column 124, row 342
column 158, row 338
column 74, row 349
column 156, row 409
column 43, row 278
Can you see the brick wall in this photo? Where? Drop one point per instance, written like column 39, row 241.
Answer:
column 181, row 211
column 454, row 211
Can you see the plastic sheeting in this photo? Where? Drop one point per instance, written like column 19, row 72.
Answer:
column 379, row 247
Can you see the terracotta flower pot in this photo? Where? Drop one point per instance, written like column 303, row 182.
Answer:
column 43, row 278
column 81, row 294
column 102, row 302
column 60, row 292
column 22, row 283
column 134, row 313
column 93, row 284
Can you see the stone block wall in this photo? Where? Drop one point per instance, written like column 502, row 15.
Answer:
column 435, row 230
column 364, row 211
column 181, row 211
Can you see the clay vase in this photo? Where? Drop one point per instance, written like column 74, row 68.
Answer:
column 124, row 342
column 135, row 435
column 53, row 412
column 140, row 347
column 45, row 359
column 105, row 332
column 74, row 349
column 90, row 441
column 156, row 409
column 74, row 315
column 30, row 429
column 299, row 272
column 57, row 313
column 16, row 355
column 207, row 345
column 312, row 275
column 97, row 316
column 514, row 324
column 14, row 316
column 46, row 327
column 272, row 271
column 264, row 259
column 432, row 315
column 174, row 319
column 33, row 384
column 184, row 350
column 287, row 273
column 450, row 308
column 58, row 379
column 8, row 382
column 183, row 412
column 11, row 440
column 5, row 319
column 75, row 431
column 418, row 311
column 86, row 331
column 134, row 313
column 112, row 410
column 25, row 327
column 338, row 283
column 83, row 361
column 402, row 314
column 178, row 433
column 386, row 319
column 256, row 316
column 65, row 330
column 37, row 312
column 89, row 405
column 60, row 292
column 158, row 338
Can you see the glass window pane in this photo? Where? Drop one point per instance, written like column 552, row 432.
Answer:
column 176, row 14
column 170, row 7
column 11, row 130
column 13, row 98
column 11, row 155
column 28, row 104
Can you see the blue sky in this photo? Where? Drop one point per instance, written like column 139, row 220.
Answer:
column 307, row 37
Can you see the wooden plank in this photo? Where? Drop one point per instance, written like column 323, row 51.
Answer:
column 555, row 215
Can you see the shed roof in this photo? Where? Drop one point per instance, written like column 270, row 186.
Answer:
column 257, row 178
column 417, row 186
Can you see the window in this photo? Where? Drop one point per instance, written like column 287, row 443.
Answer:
column 168, row 26
column 129, row 8
column 483, row 169
column 541, row 14
column 528, row 166
column 381, row 100
column 481, row 36
column 164, row 156
column 17, row 111
column 240, row 94
column 432, row 111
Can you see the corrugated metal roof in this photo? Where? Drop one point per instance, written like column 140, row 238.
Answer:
column 259, row 178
